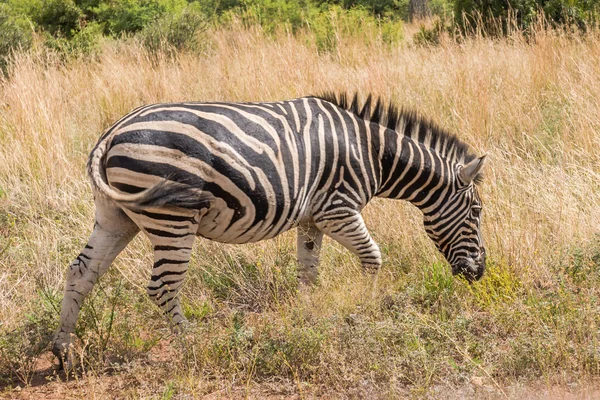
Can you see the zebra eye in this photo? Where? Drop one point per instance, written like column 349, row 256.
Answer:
column 476, row 211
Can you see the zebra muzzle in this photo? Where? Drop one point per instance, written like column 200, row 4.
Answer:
column 470, row 270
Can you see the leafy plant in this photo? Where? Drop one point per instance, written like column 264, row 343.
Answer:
column 60, row 18
column 20, row 348
column 130, row 16
column 473, row 13
column 15, row 33
column 84, row 42
column 175, row 32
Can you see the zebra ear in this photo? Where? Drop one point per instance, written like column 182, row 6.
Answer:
column 469, row 172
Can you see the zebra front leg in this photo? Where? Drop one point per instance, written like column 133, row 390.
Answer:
column 309, row 247
column 351, row 232
column 171, row 260
column 112, row 232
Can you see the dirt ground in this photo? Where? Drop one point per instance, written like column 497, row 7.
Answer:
column 49, row 383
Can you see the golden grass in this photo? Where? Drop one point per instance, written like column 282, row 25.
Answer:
column 532, row 105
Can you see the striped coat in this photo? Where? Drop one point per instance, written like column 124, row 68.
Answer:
column 244, row 172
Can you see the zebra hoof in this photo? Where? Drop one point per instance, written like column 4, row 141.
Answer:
column 65, row 348
column 307, row 277
column 63, row 351
column 182, row 327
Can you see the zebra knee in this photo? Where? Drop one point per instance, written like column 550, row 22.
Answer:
column 80, row 277
column 77, row 267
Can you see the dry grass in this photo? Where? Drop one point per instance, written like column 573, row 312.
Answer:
column 532, row 105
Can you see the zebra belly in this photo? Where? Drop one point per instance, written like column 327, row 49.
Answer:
column 215, row 223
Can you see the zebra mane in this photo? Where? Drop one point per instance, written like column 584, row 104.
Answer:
column 395, row 118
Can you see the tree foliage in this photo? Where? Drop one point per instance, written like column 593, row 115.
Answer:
column 525, row 12
column 15, row 33
column 75, row 26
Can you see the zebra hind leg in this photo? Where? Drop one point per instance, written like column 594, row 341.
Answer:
column 172, row 236
column 309, row 247
column 113, row 230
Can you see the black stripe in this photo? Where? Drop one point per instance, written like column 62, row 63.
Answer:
column 161, row 233
column 390, row 151
column 425, row 190
column 164, row 261
column 155, row 278
column 167, row 217
column 172, row 308
column 124, row 187
column 414, row 169
column 402, row 164
column 82, row 262
column 170, row 248
column 427, row 169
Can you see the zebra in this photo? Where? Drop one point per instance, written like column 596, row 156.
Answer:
column 245, row 172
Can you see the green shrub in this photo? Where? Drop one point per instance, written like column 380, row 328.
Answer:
column 219, row 7
column 88, row 7
column 15, row 33
column 575, row 11
column 20, row 348
column 442, row 8
column 329, row 25
column 430, row 36
column 377, row 7
column 292, row 349
column 271, row 15
column 83, row 42
column 525, row 12
column 241, row 281
column 327, row 21
column 130, row 16
column 289, row 9
column 175, row 32
column 59, row 18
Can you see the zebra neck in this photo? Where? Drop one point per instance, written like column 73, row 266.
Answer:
column 413, row 172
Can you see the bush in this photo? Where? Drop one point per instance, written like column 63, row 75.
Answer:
column 429, row 36
column 327, row 23
column 173, row 32
column 82, row 43
column 377, row 7
column 130, row 16
column 271, row 15
column 219, row 7
column 525, row 12
column 21, row 347
column 15, row 33
column 335, row 23
column 59, row 18
column 573, row 11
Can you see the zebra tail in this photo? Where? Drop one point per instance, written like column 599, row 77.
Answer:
column 167, row 193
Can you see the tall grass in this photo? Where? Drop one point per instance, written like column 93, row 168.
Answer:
column 530, row 103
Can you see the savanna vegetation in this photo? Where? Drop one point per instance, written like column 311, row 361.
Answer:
column 521, row 87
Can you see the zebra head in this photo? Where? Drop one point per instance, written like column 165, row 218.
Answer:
column 455, row 227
